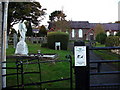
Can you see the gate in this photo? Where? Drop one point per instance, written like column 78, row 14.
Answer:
column 105, row 74
column 83, row 73
column 21, row 74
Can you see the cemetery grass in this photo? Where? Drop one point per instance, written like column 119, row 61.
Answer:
column 49, row 71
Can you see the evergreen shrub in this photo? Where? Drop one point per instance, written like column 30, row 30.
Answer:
column 61, row 37
column 118, row 33
column 112, row 41
column 101, row 37
column 44, row 45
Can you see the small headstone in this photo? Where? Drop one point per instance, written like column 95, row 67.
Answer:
column 57, row 45
column 15, row 40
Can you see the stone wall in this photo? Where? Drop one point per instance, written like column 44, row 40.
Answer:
column 37, row 39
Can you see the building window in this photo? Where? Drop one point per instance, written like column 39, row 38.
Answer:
column 80, row 33
column 73, row 33
column 115, row 32
column 108, row 33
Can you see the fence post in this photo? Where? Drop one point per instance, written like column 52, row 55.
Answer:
column 71, row 79
column 17, row 66
column 22, row 74
column 81, row 70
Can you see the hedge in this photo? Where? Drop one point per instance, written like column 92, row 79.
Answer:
column 112, row 41
column 61, row 37
column 118, row 33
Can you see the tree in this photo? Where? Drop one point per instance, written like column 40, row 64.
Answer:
column 98, row 29
column 112, row 41
column 42, row 31
column 58, row 22
column 101, row 37
column 30, row 11
column 62, row 25
column 117, row 21
column 57, row 15
column 29, row 29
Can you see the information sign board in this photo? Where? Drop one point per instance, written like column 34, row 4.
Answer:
column 80, row 55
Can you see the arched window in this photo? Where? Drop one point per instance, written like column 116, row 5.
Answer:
column 73, row 33
column 108, row 33
column 115, row 32
column 80, row 33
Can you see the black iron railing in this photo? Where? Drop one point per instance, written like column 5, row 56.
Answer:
column 106, row 86
column 20, row 62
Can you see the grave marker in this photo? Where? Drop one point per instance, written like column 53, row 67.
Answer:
column 57, row 46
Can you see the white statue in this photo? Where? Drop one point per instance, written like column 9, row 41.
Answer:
column 21, row 48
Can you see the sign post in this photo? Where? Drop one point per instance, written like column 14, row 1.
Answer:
column 81, row 66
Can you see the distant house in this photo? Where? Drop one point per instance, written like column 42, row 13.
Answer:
column 35, row 30
column 79, row 29
column 83, row 30
column 111, row 28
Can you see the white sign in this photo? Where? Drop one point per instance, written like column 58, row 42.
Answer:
column 80, row 55
column 57, row 43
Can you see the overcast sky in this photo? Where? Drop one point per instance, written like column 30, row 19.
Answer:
column 94, row 11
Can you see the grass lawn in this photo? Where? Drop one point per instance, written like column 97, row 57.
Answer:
column 106, row 54
column 50, row 71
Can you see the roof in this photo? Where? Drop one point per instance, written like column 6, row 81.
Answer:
column 35, row 29
column 111, row 26
column 79, row 24
column 107, row 26
column 86, row 25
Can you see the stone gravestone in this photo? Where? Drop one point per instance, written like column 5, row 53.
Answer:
column 15, row 40
column 21, row 48
column 57, row 45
